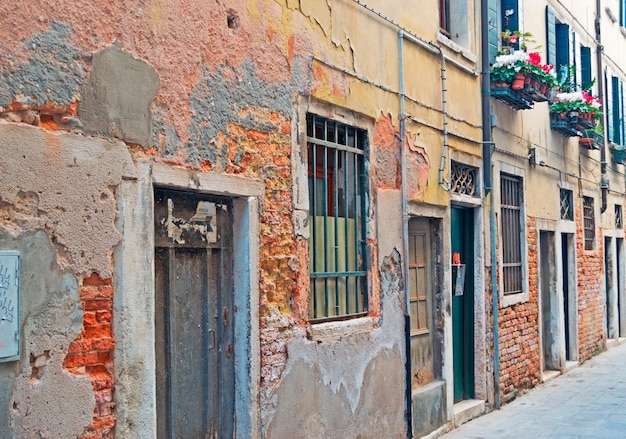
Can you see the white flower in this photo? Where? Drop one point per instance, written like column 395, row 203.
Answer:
column 510, row 59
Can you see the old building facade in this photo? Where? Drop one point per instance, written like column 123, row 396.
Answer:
column 298, row 218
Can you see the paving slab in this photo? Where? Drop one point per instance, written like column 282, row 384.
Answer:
column 587, row 402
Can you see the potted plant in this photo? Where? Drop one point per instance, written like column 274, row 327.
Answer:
column 592, row 138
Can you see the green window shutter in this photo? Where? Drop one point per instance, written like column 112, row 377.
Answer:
column 585, row 66
column 609, row 106
column 562, row 50
column 622, row 140
column 616, row 105
column 494, row 32
column 550, row 35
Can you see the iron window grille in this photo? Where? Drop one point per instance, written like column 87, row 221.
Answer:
column 619, row 218
column 337, row 197
column 464, row 179
column 589, row 223
column 567, row 205
column 511, row 199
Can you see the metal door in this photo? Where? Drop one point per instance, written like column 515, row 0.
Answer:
column 193, row 320
column 462, row 231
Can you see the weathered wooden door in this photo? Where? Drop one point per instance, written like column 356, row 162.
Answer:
column 420, row 266
column 193, row 320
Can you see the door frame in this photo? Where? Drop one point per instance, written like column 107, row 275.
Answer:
column 134, row 299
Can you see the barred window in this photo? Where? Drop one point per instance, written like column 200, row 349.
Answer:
column 337, row 193
column 619, row 218
column 589, row 223
column 511, row 218
column 567, row 205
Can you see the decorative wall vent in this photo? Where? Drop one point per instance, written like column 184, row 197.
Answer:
column 464, row 179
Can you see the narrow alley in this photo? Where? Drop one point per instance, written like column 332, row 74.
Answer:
column 586, row 402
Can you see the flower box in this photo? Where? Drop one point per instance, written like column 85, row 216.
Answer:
column 618, row 155
column 510, row 97
column 561, row 123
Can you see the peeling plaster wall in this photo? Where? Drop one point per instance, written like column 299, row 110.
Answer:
column 35, row 402
column 216, row 87
column 57, row 207
column 345, row 386
column 63, row 184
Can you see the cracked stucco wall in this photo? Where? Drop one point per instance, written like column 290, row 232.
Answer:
column 57, row 207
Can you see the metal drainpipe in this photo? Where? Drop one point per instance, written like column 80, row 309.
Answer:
column 604, row 183
column 405, row 244
column 445, row 184
column 488, row 183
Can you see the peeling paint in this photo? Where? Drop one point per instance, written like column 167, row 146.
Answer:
column 202, row 223
column 217, row 101
column 54, row 71
column 341, row 372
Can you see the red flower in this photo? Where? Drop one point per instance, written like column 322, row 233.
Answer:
column 535, row 59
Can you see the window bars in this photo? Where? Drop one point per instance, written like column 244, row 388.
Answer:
column 511, row 216
column 337, row 190
column 589, row 223
column 567, row 205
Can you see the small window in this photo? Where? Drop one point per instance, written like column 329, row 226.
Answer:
column 511, row 199
column 337, row 195
column 619, row 218
column 589, row 223
column 464, row 179
column 444, row 17
column 567, row 205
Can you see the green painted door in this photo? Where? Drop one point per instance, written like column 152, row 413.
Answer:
column 462, row 236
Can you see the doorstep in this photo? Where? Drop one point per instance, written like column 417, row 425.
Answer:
column 549, row 375
column 612, row 342
column 569, row 365
column 467, row 410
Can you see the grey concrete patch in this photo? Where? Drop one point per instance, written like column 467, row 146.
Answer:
column 217, row 101
column 64, row 184
column 36, row 401
column 117, row 97
column 54, row 71
column 429, row 408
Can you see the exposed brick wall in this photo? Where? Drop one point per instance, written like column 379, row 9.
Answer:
column 91, row 354
column 591, row 311
column 518, row 327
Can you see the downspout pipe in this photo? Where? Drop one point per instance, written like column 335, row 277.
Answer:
column 405, row 245
column 445, row 184
column 488, row 185
column 604, row 182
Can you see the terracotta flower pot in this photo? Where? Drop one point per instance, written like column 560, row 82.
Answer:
column 518, row 82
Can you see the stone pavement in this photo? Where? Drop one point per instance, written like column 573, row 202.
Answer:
column 586, row 402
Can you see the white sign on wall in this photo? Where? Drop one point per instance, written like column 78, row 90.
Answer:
column 9, row 305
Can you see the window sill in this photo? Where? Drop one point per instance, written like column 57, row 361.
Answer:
column 512, row 299
column 466, row 53
column 335, row 331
